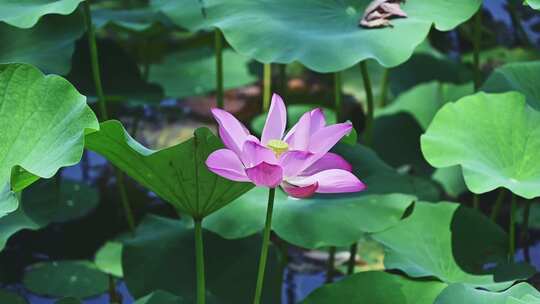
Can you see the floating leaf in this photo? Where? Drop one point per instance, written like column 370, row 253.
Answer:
column 465, row 294
column 109, row 259
column 323, row 35
column 192, row 72
column 520, row 76
column 495, row 139
column 376, row 287
column 162, row 257
column 161, row 297
column 43, row 119
column 79, row 279
column 11, row 298
column 177, row 174
column 49, row 45
column 26, row 13
column 449, row 242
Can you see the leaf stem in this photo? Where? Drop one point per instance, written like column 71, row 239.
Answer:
column 218, row 44
column 330, row 266
column 370, row 103
column 525, row 230
column 267, row 85
column 476, row 201
column 265, row 245
column 199, row 256
column 498, row 204
column 94, row 58
column 352, row 259
column 384, row 88
column 338, row 95
column 283, row 79
column 512, row 230
column 477, row 48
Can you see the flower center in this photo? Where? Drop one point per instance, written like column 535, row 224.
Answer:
column 278, row 146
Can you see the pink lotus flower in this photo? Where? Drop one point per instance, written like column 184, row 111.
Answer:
column 299, row 162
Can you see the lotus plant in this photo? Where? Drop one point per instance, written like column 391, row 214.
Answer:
column 299, row 161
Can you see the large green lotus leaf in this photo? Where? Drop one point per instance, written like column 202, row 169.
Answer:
column 79, row 279
column 520, row 76
column 534, row 4
column 11, row 298
column 300, row 222
column 460, row 293
column 495, row 139
column 323, row 35
column 109, row 259
column 26, row 13
column 177, row 174
column 161, row 297
column 451, row 243
column 43, row 121
column 376, row 287
column 42, row 204
column 139, row 20
column 49, row 45
column 120, row 74
column 192, row 72
column 162, row 257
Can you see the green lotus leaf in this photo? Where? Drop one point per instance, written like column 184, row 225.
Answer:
column 192, row 72
column 109, row 259
column 520, row 293
column 11, row 298
column 494, row 137
column 26, row 13
column 377, row 287
column 78, row 279
column 42, row 204
column 44, row 120
column 49, row 45
column 534, row 4
column 323, row 35
column 69, row 300
column 520, row 76
column 161, row 256
column 301, row 222
column 139, row 20
column 161, row 297
column 177, row 174
column 451, row 243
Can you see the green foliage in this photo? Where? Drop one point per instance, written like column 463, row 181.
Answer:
column 109, row 259
column 520, row 293
column 11, row 298
column 161, row 297
column 26, row 13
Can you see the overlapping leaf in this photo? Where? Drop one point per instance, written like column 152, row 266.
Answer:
column 26, row 13
column 520, row 293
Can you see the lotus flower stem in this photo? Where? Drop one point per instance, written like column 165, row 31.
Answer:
column 267, row 85
column 218, row 44
column 103, row 106
column 370, row 104
column 384, row 88
column 265, row 244
column 512, row 230
column 338, row 95
column 498, row 204
column 199, row 256
column 477, row 48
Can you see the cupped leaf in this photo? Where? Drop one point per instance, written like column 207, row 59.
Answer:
column 162, row 257
column 495, row 138
column 43, row 119
column 323, row 35
column 49, row 45
column 192, row 72
column 377, row 287
column 451, row 243
column 11, row 298
column 520, row 76
column 161, row 297
column 177, row 174
column 79, row 279
column 520, row 293
column 109, row 259
column 26, row 13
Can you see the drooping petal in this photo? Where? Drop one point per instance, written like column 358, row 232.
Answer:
column 293, row 162
column 232, row 132
column 298, row 136
column 299, row 192
column 326, row 162
column 331, row 181
column 225, row 163
column 276, row 121
column 253, row 153
column 324, row 139
column 265, row 175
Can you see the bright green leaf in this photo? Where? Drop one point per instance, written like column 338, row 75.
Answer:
column 324, row 36
column 161, row 297
column 26, row 13
column 494, row 137
column 469, row 295
column 177, row 174
column 109, row 259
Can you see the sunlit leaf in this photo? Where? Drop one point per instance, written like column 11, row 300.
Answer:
column 109, row 258
column 520, row 293
column 26, row 13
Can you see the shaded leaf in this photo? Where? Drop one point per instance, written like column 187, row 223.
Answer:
column 11, row 298
column 161, row 297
